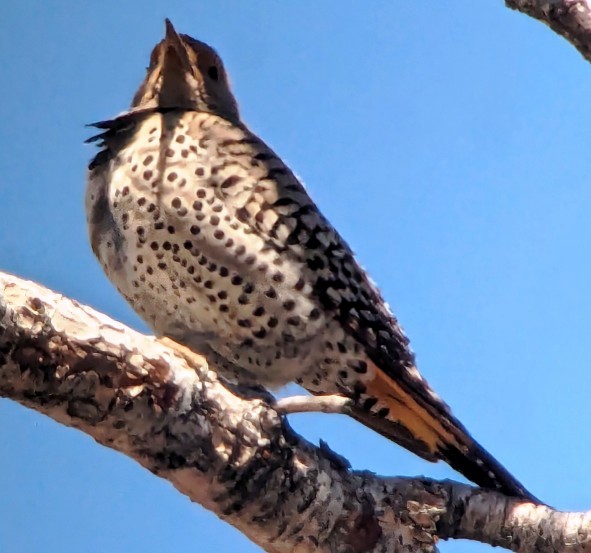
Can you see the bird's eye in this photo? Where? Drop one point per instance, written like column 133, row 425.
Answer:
column 213, row 72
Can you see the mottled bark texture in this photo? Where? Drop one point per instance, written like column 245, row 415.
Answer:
column 569, row 18
column 230, row 451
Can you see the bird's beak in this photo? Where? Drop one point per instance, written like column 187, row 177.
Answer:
column 170, row 67
column 172, row 40
column 175, row 51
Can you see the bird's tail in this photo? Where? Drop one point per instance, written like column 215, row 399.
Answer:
column 409, row 413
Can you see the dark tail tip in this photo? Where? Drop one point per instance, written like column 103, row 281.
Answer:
column 480, row 467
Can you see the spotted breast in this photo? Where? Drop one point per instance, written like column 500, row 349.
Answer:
column 217, row 245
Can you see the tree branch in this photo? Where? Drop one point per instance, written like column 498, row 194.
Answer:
column 230, row 451
column 569, row 18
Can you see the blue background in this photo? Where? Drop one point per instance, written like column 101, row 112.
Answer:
column 448, row 144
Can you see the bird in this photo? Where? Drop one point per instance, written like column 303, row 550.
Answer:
column 219, row 248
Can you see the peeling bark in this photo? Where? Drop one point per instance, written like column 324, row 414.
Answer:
column 569, row 18
column 228, row 449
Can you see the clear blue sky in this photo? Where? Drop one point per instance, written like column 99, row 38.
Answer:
column 449, row 144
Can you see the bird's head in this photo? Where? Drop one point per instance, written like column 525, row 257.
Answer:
column 185, row 73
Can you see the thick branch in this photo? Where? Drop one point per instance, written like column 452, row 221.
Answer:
column 230, row 451
column 569, row 18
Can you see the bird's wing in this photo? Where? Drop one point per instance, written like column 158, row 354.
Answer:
column 414, row 415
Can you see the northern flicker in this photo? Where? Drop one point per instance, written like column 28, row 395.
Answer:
column 217, row 246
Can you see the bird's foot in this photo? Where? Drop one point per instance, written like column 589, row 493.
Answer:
column 314, row 404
